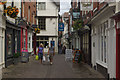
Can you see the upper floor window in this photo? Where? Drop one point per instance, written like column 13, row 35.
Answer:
column 29, row 13
column 23, row 8
column 41, row 6
column 42, row 23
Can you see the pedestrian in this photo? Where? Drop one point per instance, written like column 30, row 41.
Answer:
column 51, row 53
column 64, row 48
column 40, row 52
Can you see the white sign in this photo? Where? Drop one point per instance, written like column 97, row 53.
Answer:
column 68, row 54
column 86, row 6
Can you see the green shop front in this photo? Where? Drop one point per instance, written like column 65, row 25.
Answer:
column 12, row 43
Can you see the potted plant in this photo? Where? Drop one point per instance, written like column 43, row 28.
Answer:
column 16, row 58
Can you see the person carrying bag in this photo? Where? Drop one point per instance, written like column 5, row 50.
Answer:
column 51, row 53
column 40, row 53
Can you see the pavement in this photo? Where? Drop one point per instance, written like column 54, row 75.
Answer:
column 59, row 69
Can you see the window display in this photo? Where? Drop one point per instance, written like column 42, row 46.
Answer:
column 9, row 44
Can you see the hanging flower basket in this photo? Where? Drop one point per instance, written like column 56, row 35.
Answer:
column 2, row 2
column 12, row 11
column 37, row 30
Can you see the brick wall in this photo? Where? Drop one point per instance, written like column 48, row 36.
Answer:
column 96, row 7
column 32, row 6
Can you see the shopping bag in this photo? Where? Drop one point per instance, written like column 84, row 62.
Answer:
column 43, row 58
column 36, row 57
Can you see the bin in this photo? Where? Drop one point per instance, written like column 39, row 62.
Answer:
column 25, row 57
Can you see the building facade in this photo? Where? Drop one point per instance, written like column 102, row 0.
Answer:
column 12, row 37
column 116, row 19
column 28, row 13
column 47, row 21
column 2, row 40
column 103, row 39
column 65, row 33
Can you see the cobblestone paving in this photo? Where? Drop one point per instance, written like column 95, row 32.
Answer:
column 59, row 69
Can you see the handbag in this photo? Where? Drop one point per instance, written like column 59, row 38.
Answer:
column 36, row 57
column 43, row 58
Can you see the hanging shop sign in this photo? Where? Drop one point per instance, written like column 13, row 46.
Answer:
column 76, row 15
column 11, row 11
column 86, row 6
column 2, row 2
column 61, row 27
column 37, row 30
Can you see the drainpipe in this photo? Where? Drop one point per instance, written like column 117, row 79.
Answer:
column 117, row 69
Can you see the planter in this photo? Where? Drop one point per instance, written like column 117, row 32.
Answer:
column 16, row 60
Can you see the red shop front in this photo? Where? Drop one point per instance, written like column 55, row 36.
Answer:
column 24, row 39
column 117, row 25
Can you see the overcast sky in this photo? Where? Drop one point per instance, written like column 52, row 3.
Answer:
column 64, row 6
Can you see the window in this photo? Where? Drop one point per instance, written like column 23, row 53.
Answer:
column 41, row 6
column 24, row 40
column 29, row 14
column 33, row 19
column 16, row 43
column 42, row 23
column 29, row 42
column 43, row 40
column 23, row 8
column 9, row 44
column 102, row 56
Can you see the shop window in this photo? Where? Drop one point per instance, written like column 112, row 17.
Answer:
column 15, row 43
column 29, row 42
column 9, row 44
column 37, row 44
column 102, row 56
column 43, row 40
column 24, row 40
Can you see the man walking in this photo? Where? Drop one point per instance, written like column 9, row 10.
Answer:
column 51, row 53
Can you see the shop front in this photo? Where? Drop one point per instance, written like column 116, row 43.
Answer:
column 86, row 44
column 12, row 43
column 24, row 40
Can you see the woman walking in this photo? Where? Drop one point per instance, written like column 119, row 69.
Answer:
column 40, row 52
column 51, row 53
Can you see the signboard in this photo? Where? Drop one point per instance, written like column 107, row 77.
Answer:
column 76, row 15
column 68, row 54
column 61, row 27
column 86, row 6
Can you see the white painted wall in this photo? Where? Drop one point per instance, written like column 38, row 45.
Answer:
column 111, row 43
column 112, row 51
column 2, row 40
column 51, row 10
column 51, row 28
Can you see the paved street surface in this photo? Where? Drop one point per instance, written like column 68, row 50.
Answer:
column 59, row 69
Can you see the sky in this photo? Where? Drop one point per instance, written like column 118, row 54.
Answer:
column 64, row 6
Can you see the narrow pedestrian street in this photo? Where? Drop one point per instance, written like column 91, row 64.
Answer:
column 59, row 69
